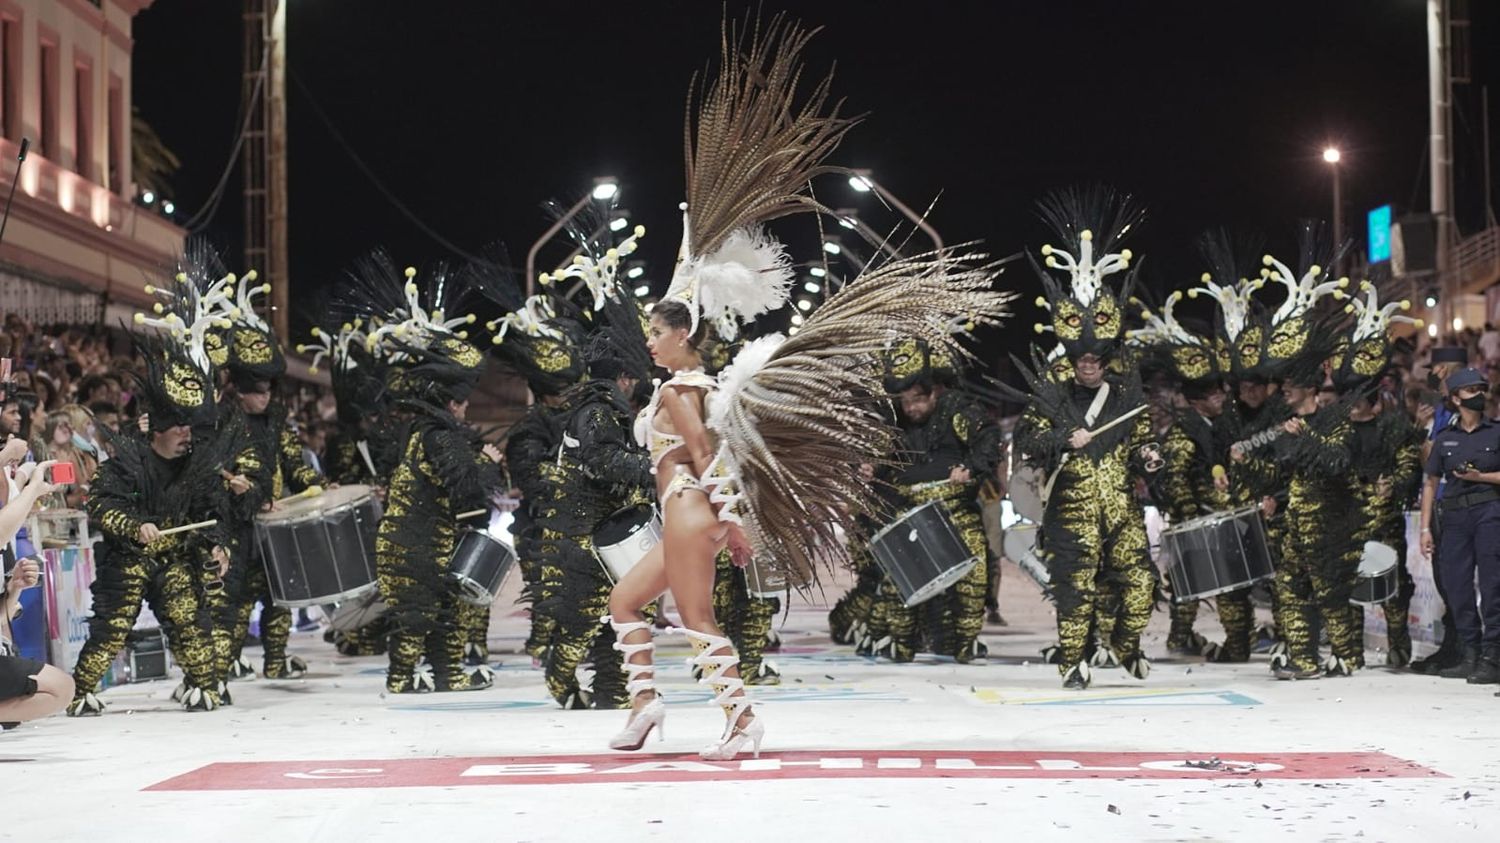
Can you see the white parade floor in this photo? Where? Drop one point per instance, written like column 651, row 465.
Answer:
column 855, row 750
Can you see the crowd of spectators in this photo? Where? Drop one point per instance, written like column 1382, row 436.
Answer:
column 70, row 389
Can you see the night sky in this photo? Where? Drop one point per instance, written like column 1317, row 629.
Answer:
column 472, row 112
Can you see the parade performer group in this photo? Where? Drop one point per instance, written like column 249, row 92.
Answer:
column 763, row 456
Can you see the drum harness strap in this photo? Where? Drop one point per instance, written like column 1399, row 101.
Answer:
column 363, row 446
column 1095, row 407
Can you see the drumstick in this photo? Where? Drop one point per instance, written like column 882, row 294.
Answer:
column 1129, row 414
column 186, row 527
column 475, row 513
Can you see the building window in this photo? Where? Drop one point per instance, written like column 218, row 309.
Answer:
column 116, row 140
column 10, row 77
column 83, row 121
column 46, row 139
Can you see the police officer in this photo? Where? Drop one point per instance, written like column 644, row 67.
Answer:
column 1466, row 456
column 1444, row 362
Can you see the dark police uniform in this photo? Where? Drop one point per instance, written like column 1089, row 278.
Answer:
column 1470, row 529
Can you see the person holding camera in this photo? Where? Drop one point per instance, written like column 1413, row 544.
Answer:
column 29, row 689
column 1466, row 457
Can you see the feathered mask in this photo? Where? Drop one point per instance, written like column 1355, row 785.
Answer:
column 428, row 351
column 1192, row 359
column 357, row 376
column 1366, row 352
column 254, row 352
column 1087, row 316
column 750, row 159
column 1300, row 340
column 178, row 387
column 540, row 337
column 1240, row 322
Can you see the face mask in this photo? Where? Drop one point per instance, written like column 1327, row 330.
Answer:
column 83, row 444
column 1475, row 403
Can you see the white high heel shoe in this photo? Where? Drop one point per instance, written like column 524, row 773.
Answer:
column 715, row 657
column 652, row 715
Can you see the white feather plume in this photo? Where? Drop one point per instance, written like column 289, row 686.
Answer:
column 746, row 364
column 749, row 275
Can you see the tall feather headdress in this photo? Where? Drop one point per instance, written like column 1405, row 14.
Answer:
column 1087, row 313
column 750, row 155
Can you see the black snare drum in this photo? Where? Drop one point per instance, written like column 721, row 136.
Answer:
column 320, row 549
column 479, row 565
column 922, row 553
column 1216, row 554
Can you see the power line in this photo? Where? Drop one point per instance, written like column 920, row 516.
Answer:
column 199, row 221
column 375, row 180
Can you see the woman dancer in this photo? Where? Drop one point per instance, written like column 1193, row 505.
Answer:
column 674, row 429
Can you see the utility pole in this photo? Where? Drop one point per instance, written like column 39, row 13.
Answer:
column 264, row 153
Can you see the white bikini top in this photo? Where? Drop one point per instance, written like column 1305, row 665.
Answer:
column 656, row 442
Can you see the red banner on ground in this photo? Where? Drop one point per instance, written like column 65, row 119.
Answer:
column 816, row 764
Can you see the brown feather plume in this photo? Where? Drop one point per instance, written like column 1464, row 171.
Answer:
column 799, row 426
column 755, row 150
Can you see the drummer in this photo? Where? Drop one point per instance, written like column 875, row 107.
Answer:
column 1385, row 461
column 444, row 470
column 949, row 447
column 1195, row 481
column 599, row 469
column 272, row 462
column 1094, row 529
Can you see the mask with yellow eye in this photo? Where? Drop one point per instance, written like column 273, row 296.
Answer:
column 907, row 363
column 253, row 353
column 1094, row 329
column 1286, row 342
column 1193, row 362
column 218, row 350
column 1060, row 370
column 174, row 390
column 1247, row 351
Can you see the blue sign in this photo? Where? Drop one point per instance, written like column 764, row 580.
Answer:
column 1379, row 236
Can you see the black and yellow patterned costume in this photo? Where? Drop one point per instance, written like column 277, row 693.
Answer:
column 548, row 351
column 138, row 486
column 529, row 448
column 746, row 619
column 956, row 433
column 849, row 619
column 1094, row 531
column 1384, row 454
column 1386, row 463
column 273, row 461
column 1193, row 448
column 1318, row 560
column 441, row 474
column 596, row 470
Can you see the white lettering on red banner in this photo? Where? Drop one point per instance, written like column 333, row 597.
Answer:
column 825, row 764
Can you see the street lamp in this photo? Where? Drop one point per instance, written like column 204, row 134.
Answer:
column 849, row 218
column 862, row 182
column 604, row 189
column 1331, row 156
